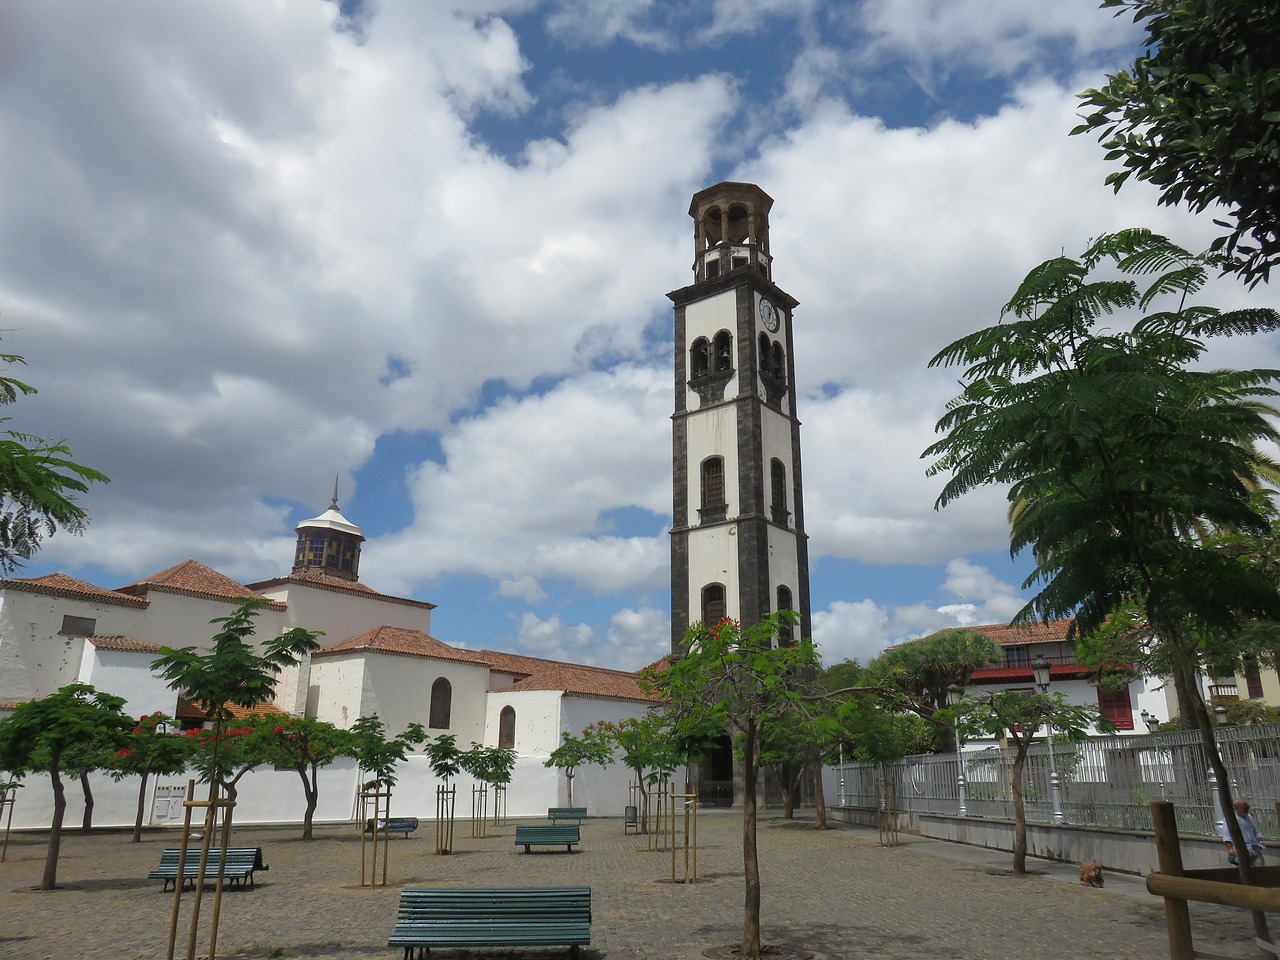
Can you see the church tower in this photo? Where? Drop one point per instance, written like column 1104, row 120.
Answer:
column 329, row 544
column 738, row 546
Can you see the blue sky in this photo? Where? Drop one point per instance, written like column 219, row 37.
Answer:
column 426, row 246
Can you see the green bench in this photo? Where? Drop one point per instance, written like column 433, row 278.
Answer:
column 240, row 866
column 405, row 825
column 555, row 814
column 547, row 835
column 519, row 917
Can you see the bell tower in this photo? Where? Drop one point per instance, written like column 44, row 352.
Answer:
column 738, row 546
column 328, row 544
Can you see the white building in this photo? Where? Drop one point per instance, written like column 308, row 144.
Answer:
column 377, row 656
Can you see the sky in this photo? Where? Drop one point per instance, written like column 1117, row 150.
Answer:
column 247, row 247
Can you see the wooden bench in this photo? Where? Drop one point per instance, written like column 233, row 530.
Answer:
column 547, row 835
column 405, row 825
column 241, row 864
column 519, row 917
column 555, row 814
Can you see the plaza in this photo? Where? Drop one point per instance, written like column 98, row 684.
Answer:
column 838, row 894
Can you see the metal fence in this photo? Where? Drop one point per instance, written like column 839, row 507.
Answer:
column 1105, row 781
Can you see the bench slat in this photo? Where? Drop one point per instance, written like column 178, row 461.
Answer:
column 502, row 917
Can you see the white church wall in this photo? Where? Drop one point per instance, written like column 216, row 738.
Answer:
column 128, row 675
column 342, row 615
column 340, row 692
column 179, row 620
column 603, row 791
column 469, row 683
column 537, row 720
column 712, row 554
column 706, row 318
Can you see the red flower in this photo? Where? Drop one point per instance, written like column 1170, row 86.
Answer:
column 124, row 752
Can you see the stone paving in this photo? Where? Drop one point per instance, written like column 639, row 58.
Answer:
column 837, row 893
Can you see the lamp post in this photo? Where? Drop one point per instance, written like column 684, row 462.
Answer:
column 1040, row 667
column 1153, row 723
column 954, row 694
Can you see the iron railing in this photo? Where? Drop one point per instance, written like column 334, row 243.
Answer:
column 1105, row 781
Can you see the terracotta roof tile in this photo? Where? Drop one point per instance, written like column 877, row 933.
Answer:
column 572, row 678
column 338, row 585
column 1006, row 635
column 125, row 644
column 401, row 641
column 192, row 578
column 61, row 585
column 189, row 711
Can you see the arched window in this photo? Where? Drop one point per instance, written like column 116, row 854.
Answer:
column 723, row 351
column 713, row 603
column 441, row 704
column 713, row 482
column 507, row 727
column 778, row 491
column 779, row 361
column 699, row 357
column 787, row 636
column 765, row 353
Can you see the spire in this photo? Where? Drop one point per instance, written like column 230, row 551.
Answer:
column 334, row 504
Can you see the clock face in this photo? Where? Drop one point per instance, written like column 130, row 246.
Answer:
column 769, row 316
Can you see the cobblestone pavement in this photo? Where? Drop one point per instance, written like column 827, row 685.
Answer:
column 837, row 893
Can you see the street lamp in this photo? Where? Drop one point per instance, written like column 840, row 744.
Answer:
column 1153, row 723
column 1151, row 720
column 1040, row 667
column 955, row 693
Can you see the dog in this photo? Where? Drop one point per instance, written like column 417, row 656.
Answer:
column 1091, row 873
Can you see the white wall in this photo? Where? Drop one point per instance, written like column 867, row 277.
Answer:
column 706, row 318
column 128, row 675
column 537, row 720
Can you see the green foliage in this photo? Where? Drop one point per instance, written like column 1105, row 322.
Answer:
column 920, row 671
column 378, row 755
column 581, row 751
column 39, row 734
column 490, row 764
column 1198, row 116
column 38, row 481
column 444, row 756
column 147, row 750
column 231, row 672
column 228, row 751
column 1118, row 450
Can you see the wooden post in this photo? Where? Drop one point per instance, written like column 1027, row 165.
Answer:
column 1169, row 853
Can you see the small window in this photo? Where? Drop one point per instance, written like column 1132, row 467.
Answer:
column 778, row 490
column 713, row 482
column 78, row 626
column 779, row 361
column 441, row 704
column 723, row 351
column 787, row 638
column 764, row 353
column 699, row 357
column 713, row 603
column 1017, row 656
column 507, row 728
column 1252, row 678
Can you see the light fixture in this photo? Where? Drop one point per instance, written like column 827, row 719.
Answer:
column 1220, row 712
column 1040, row 667
column 1151, row 720
column 955, row 693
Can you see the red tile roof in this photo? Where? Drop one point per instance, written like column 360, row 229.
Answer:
column 189, row 711
column 401, row 641
column 573, row 678
column 338, row 585
column 192, row 578
column 125, row 644
column 61, row 585
column 1014, row 636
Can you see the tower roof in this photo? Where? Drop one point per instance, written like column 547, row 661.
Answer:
column 331, row 519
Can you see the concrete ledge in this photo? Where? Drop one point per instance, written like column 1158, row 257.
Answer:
column 1128, row 851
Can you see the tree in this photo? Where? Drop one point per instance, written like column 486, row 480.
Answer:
column 1198, row 115
column 224, row 754
column 150, row 748
column 38, row 483
column 379, row 756
column 39, row 733
column 304, row 745
column 1119, row 451
column 491, row 765
column 1018, row 714
column 921, row 670
column 648, row 750
column 575, row 752
column 744, row 681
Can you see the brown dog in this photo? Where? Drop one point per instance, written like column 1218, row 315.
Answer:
column 1091, row 873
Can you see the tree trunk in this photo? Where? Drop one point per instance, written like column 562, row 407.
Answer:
column 750, row 949
column 86, row 824
column 50, row 879
column 1019, row 811
column 819, row 798
column 312, row 790
column 142, row 807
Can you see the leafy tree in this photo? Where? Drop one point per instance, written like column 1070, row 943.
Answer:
column 1018, row 715
column 304, row 745
column 224, row 754
column 648, row 750
column 1120, row 451
column 492, row 765
column 574, row 752
column 38, row 483
column 148, row 750
column 379, row 755
column 743, row 681
column 921, row 670
column 1198, row 115
column 38, row 735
